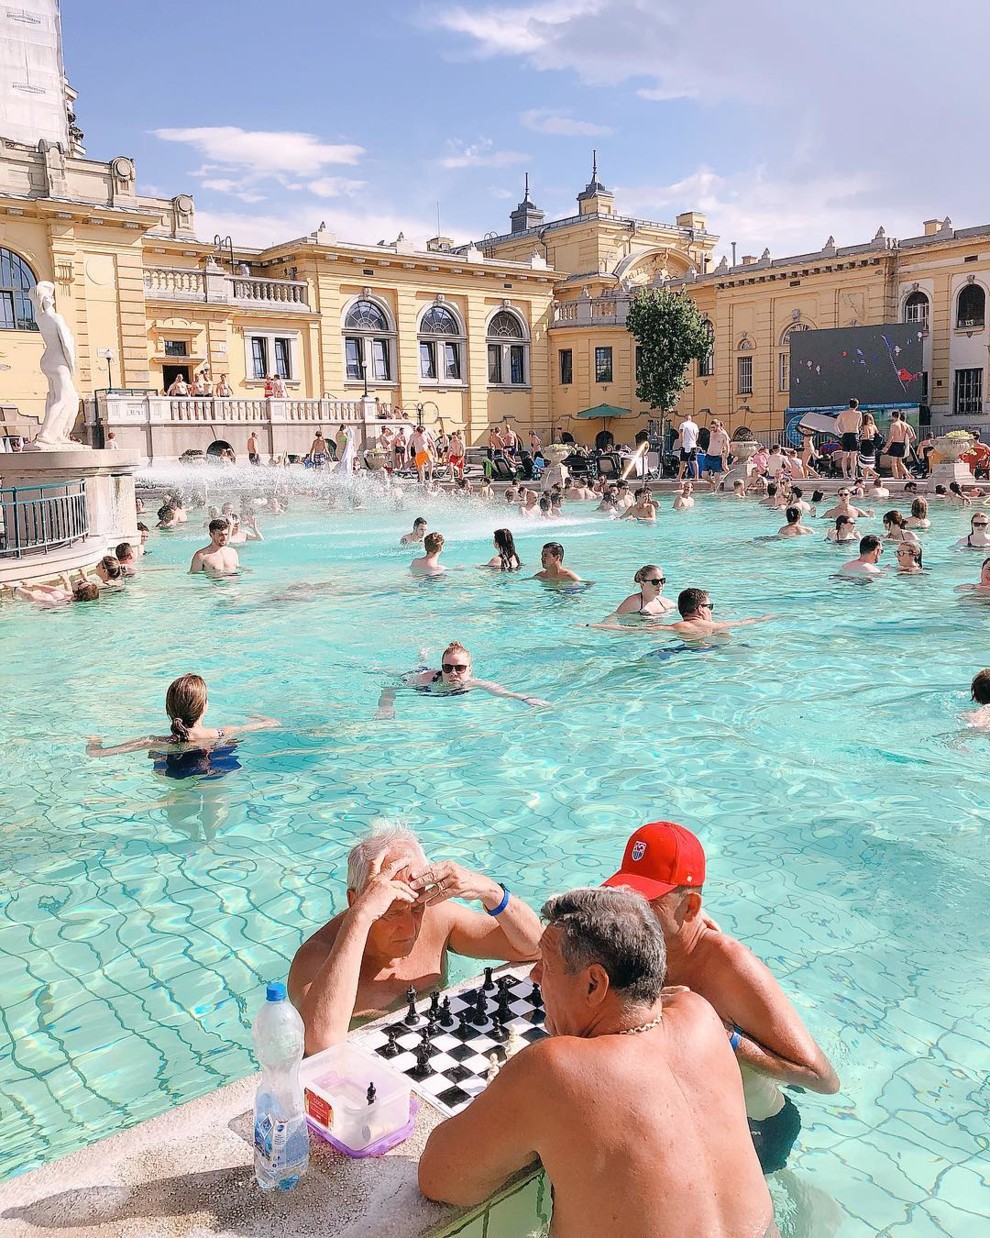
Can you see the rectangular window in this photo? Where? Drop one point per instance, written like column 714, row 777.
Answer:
column 639, row 363
column 427, row 362
column 176, row 348
column 259, row 357
column 283, row 358
column 706, row 366
column 917, row 311
column 517, row 368
column 785, row 369
column 452, row 362
column 744, row 374
column 968, row 392
column 566, row 366
column 603, row 365
column 352, row 353
column 380, row 361
column 495, row 363
column 6, row 311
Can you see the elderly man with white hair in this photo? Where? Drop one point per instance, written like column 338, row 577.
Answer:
column 396, row 932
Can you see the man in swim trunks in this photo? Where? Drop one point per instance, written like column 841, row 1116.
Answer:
column 687, row 438
column 423, row 453
column 456, row 454
column 696, row 623
column 552, row 558
column 899, row 439
column 219, row 558
column 716, row 457
column 870, row 550
column 849, row 423
column 396, row 933
column 319, row 450
column 665, row 863
column 633, row 1103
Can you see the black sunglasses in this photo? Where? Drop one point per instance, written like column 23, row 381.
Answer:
column 710, row 605
column 450, row 667
column 654, row 580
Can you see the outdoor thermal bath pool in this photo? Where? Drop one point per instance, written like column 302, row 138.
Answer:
column 819, row 757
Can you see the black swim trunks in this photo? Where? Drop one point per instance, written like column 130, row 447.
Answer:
column 896, row 451
column 688, row 457
column 850, row 442
column 774, row 1137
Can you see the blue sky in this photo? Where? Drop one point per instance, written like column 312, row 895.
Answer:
column 785, row 122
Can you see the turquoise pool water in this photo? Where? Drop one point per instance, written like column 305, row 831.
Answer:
column 843, row 807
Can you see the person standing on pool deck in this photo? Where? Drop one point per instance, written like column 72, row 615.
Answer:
column 899, row 437
column 870, row 550
column 716, row 457
column 423, row 453
column 632, row 1104
column 219, row 558
column 665, row 863
column 687, row 438
column 849, row 423
column 399, row 926
column 552, row 558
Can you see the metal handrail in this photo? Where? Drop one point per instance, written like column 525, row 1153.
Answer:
column 37, row 519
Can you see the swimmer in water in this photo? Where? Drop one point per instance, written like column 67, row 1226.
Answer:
column 895, row 528
column 62, row 594
column 982, row 586
column 870, row 550
column 696, row 623
column 552, row 558
column 980, row 692
column 415, row 537
column 185, row 703
column 919, row 515
column 219, row 558
column 648, row 603
column 506, row 560
column 909, row 559
column 977, row 538
column 452, row 679
column 844, row 508
column 739, row 488
column 429, row 564
column 685, row 499
column 793, row 527
column 845, row 530
column 644, row 509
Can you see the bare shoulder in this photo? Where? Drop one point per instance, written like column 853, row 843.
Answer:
column 312, row 954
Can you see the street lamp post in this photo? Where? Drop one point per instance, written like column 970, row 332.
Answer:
column 107, row 355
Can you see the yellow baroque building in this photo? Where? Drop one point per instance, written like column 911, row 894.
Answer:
column 526, row 325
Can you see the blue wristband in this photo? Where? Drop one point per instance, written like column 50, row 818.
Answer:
column 734, row 1039
column 497, row 911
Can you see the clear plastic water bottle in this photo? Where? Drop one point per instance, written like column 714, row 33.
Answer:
column 281, row 1137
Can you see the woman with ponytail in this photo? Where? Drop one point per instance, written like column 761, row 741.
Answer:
column 506, row 560
column 185, row 703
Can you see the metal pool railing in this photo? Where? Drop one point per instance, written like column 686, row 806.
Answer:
column 37, row 519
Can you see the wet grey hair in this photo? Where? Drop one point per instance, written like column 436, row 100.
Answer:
column 616, row 929
column 383, row 836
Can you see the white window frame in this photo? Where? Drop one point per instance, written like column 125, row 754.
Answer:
column 437, row 344
column 740, row 389
column 367, row 339
column 506, row 344
column 974, row 381
column 270, row 337
column 784, row 370
column 910, row 311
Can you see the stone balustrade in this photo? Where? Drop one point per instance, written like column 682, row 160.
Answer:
column 215, row 287
column 591, row 311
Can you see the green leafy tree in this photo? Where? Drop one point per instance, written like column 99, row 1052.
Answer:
column 671, row 333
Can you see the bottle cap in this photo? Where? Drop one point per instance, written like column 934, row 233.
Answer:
column 276, row 991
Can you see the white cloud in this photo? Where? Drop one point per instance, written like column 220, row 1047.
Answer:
column 560, row 123
column 520, row 31
column 480, row 154
column 353, row 224
column 336, row 187
column 261, row 152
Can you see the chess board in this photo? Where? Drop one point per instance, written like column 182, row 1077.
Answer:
column 459, row 1059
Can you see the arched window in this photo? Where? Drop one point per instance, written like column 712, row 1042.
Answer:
column 917, row 308
column 369, row 343
column 706, row 366
column 784, row 357
column 971, row 308
column 508, row 353
column 16, row 278
column 441, row 342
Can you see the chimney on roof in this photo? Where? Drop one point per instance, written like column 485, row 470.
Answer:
column 748, row 260
column 439, row 245
column 932, row 226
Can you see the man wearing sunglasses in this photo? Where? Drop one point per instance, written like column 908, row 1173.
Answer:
column 844, row 507
column 696, row 623
column 396, row 932
column 870, row 550
column 454, row 678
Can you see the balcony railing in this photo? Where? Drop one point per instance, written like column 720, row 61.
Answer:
column 591, row 312
column 37, row 519
column 215, row 287
column 115, row 410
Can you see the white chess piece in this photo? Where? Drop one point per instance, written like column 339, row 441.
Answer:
column 514, row 1043
column 58, row 363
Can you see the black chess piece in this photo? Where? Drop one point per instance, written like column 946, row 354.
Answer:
column 537, row 997
column 412, row 1017
column 502, row 1009
column 463, row 1016
column 434, row 1009
column 372, row 1094
column 422, row 1068
column 498, row 1031
column 504, row 984
column 489, row 982
column 446, row 1018
column 390, row 1048
column 480, row 1014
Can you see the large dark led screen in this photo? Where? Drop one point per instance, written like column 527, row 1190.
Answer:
column 876, row 365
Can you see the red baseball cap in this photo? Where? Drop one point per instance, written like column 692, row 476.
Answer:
column 660, row 857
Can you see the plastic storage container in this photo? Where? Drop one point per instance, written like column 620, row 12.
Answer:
column 356, row 1101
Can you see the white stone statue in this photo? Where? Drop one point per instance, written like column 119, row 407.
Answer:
column 58, row 363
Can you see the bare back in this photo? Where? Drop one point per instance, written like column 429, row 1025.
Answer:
column 667, row 1160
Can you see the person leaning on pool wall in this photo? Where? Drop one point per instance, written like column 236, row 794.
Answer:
column 665, row 863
